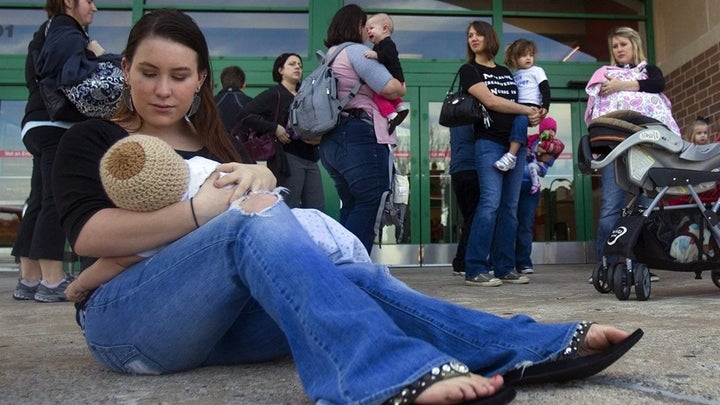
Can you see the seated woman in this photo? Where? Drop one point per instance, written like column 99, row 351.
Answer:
column 246, row 285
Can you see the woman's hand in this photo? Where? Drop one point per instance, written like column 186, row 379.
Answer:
column 534, row 116
column 282, row 135
column 229, row 183
column 245, row 178
column 95, row 48
column 613, row 85
column 76, row 292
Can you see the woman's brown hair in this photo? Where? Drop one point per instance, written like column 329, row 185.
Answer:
column 55, row 7
column 485, row 30
column 517, row 49
column 346, row 26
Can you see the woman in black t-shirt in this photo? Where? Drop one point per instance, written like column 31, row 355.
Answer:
column 495, row 88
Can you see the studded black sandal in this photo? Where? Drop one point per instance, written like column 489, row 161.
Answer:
column 572, row 364
column 448, row 370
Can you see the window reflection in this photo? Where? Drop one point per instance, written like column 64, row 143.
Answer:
column 557, row 38
column 392, row 234
column 111, row 29
column 430, row 37
column 445, row 219
column 15, row 161
column 425, row 4
column 633, row 7
column 554, row 43
column 243, row 3
column 17, row 28
column 254, row 34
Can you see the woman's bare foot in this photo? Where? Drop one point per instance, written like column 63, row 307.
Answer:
column 459, row 389
column 600, row 338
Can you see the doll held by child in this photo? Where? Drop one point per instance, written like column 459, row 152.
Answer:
column 544, row 149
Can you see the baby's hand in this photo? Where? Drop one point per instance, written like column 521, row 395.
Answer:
column 75, row 292
column 370, row 54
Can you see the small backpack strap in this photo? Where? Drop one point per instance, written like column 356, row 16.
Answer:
column 385, row 196
column 330, row 59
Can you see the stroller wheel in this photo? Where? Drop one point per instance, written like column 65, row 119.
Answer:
column 621, row 282
column 642, row 282
column 715, row 275
column 601, row 281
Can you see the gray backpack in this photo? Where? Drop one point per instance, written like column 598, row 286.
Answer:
column 316, row 108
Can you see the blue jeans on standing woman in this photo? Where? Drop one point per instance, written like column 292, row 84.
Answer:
column 612, row 201
column 527, row 205
column 495, row 220
column 254, row 287
column 359, row 166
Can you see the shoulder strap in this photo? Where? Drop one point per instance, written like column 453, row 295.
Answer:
column 277, row 107
column 47, row 27
column 385, row 195
column 329, row 60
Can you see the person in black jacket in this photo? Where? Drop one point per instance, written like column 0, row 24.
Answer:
column 295, row 163
column 40, row 242
column 231, row 98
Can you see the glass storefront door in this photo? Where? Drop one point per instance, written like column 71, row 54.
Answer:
column 432, row 220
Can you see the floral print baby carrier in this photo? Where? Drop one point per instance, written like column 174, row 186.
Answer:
column 655, row 105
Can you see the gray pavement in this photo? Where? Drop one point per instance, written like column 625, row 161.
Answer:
column 43, row 358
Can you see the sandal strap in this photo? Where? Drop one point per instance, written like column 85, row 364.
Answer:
column 573, row 349
column 448, row 370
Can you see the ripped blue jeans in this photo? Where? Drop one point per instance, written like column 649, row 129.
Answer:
column 254, row 287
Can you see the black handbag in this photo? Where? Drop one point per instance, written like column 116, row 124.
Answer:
column 54, row 100
column 261, row 146
column 460, row 108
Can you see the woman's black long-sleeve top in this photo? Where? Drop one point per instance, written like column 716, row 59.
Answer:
column 259, row 114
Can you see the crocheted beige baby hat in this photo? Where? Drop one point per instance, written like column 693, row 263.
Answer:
column 143, row 173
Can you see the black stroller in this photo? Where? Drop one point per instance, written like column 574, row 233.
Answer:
column 652, row 161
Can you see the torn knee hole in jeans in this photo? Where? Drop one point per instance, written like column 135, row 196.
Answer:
column 258, row 202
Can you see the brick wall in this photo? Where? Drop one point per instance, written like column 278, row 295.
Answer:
column 694, row 89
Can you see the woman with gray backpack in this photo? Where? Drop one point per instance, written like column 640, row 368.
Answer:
column 357, row 151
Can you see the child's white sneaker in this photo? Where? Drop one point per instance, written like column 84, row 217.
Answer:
column 506, row 162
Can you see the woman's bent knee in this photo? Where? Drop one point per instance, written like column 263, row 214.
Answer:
column 258, row 202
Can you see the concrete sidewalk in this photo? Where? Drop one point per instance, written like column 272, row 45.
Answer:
column 43, row 357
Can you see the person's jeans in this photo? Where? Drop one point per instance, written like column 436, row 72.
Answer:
column 519, row 130
column 527, row 205
column 253, row 287
column 304, row 184
column 359, row 166
column 495, row 220
column 612, row 201
column 466, row 190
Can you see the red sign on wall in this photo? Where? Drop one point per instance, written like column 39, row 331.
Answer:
column 15, row 154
